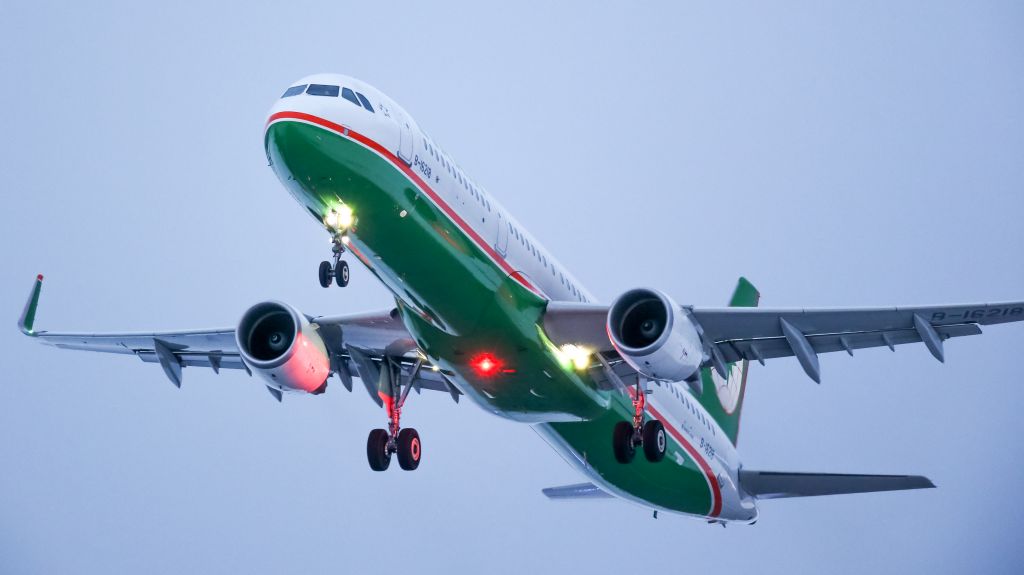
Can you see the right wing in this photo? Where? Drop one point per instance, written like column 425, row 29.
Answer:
column 358, row 344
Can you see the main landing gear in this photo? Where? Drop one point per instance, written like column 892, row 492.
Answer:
column 338, row 272
column 383, row 443
column 627, row 436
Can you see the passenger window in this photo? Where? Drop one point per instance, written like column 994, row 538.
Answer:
column 294, row 91
column 366, row 103
column 349, row 95
column 322, row 90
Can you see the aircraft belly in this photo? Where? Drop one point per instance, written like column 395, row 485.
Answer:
column 456, row 301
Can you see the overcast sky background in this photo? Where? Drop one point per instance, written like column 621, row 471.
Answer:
column 843, row 154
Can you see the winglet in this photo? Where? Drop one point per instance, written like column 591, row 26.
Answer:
column 28, row 315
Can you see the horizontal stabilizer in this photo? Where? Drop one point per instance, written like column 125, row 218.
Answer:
column 576, row 491
column 775, row 485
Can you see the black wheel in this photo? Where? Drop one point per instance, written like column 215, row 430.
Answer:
column 622, row 442
column 409, row 449
column 341, row 273
column 325, row 274
column 655, row 441
column 377, row 450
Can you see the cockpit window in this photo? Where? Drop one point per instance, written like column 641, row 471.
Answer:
column 294, row 91
column 322, row 90
column 349, row 95
column 366, row 103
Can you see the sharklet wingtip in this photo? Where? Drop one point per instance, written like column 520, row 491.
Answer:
column 27, row 320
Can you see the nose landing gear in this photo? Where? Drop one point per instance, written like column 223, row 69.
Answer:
column 338, row 272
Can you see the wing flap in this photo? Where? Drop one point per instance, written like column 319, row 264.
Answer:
column 758, row 334
column 777, row 485
column 752, row 323
column 770, row 348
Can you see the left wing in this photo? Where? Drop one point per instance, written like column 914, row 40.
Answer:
column 357, row 344
column 736, row 333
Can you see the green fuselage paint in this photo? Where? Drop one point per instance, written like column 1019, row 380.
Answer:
column 459, row 299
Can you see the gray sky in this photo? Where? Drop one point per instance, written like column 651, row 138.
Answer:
column 836, row 153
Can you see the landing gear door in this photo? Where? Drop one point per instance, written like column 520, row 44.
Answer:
column 501, row 242
column 404, row 138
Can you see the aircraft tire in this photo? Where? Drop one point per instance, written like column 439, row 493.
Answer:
column 622, row 442
column 341, row 273
column 655, row 440
column 325, row 274
column 410, row 450
column 377, row 450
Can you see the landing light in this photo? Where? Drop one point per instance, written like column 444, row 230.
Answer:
column 344, row 217
column 576, row 356
column 339, row 218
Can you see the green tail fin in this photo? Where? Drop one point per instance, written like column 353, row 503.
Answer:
column 723, row 399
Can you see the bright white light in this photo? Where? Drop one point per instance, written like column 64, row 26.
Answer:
column 345, row 217
column 345, row 240
column 339, row 218
column 578, row 356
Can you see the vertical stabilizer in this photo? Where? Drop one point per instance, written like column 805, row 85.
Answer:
column 723, row 398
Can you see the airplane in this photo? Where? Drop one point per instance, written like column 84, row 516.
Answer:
column 642, row 396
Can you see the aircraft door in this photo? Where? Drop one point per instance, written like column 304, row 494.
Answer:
column 404, row 138
column 501, row 243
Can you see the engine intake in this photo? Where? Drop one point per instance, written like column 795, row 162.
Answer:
column 278, row 343
column 650, row 332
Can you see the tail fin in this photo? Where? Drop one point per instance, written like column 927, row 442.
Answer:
column 774, row 485
column 723, row 398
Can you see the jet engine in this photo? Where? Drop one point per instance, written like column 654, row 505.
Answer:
column 653, row 334
column 278, row 343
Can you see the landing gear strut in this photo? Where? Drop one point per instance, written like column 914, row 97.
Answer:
column 382, row 443
column 337, row 272
column 626, row 437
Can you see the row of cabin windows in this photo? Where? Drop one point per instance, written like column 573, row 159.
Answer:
column 544, row 261
column 689, row 405
column 456, row 174
column 332, row 92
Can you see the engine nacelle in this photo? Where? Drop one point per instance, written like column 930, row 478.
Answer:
column 653, row 335
column 278, row 343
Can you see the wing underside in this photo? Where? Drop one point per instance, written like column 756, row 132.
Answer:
column 358, row 345
column 759, row 334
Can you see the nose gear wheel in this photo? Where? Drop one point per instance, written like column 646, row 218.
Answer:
column 337, row 272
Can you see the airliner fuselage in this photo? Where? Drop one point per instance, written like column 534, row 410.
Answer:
column 471, row 283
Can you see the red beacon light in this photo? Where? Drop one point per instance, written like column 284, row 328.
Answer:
column 487, row 365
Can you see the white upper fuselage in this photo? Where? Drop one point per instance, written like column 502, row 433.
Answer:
column 394, row 128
